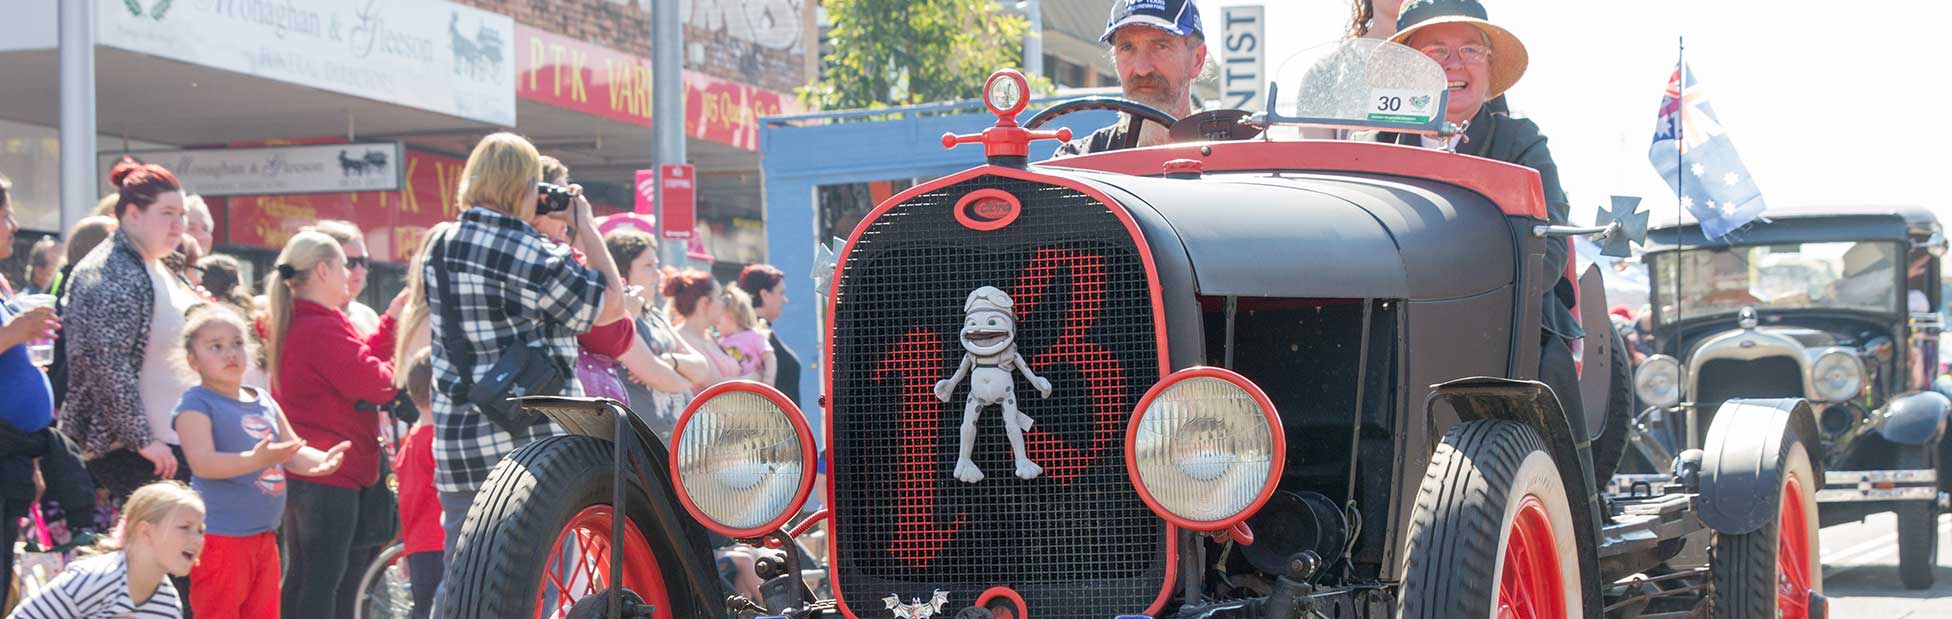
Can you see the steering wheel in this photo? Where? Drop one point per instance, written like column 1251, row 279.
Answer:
column 1137, row 112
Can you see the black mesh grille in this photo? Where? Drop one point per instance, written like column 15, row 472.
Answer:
column 1075, row 542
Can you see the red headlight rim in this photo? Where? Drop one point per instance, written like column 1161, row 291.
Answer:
column 806, row 457
column 1280, row 444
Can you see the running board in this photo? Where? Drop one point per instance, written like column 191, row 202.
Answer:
column 1887, row 485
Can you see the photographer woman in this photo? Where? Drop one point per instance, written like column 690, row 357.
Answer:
column 509, row 288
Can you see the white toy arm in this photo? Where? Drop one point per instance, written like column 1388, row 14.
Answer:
column 1042, row 384
column 947, row 387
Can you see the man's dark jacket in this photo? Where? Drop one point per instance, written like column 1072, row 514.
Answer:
column 1494, row 134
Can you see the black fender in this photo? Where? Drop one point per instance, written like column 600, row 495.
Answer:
column 1532, row 403
column 1916, row 418
column 682, row 540
column 1741, row 466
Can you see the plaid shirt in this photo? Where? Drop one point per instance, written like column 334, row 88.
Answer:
column 511, row 285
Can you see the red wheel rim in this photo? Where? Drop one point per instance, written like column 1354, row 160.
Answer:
column 579, row 565
column 1793, row 555
column 1531, row 586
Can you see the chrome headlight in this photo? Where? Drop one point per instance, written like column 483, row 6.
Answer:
column 1658, row 381
column 743, row 461
column 1205, row 448
column 1837, row 376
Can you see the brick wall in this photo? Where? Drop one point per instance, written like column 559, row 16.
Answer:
column 757, row 42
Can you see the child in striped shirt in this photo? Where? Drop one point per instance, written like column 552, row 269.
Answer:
column 161, row 534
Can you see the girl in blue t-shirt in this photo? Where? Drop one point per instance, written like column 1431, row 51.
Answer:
column 238, row 444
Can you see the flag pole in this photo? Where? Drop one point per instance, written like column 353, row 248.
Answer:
column 1680, row 172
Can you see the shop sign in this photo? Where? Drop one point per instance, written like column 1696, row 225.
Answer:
column 678, row 213
column 563, row 72
column 645, row 190
column 394, row 221
column 1244, row 56
column 319, row 168
column 426, row 54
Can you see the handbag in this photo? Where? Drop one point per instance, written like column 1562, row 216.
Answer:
column 379, row 511
column 523, row 369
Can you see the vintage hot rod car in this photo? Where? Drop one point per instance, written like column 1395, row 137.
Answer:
column 1836, row 305
column 1258, row 378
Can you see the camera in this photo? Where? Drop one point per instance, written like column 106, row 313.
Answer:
column 551, row 198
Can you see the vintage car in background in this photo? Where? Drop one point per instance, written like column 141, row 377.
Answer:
column 1269, row 378
column 1836, row 305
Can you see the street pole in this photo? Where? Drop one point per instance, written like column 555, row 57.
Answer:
column 1033, row 39
column 77, row 60
column 667, row 110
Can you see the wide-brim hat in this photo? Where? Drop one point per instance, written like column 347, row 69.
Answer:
column 1508, row 57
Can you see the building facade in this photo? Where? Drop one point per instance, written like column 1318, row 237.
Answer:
column 238, row 91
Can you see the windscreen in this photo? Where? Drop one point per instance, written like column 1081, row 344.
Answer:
column 1360, row 83
column 1722, row 280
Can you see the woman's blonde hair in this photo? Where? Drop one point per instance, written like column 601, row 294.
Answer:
column 201, row 316
column 414, row 315
column 150, row 504
column 301, row 256
column 501, row 174
column 740, row 308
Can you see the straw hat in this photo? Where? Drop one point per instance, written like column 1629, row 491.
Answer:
column 1508, row 58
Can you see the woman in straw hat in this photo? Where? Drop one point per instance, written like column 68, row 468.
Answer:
column 1482, row 60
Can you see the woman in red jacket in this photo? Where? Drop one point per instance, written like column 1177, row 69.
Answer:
column 321, row 370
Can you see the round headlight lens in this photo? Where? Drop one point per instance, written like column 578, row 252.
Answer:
column 1658, row 381
column 1837, row 376
column 744, row 459
column 1206, row 447
column 1004, row 94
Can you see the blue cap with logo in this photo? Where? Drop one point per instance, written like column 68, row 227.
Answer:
column 1179, row 17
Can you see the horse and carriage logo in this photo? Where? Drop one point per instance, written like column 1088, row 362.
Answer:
column 478, row 56
column 374, row 161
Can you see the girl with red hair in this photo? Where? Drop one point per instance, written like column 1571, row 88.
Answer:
column 697, row 302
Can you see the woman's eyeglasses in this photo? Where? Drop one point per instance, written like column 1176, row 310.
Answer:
column 359, row 262
column 1470, row 54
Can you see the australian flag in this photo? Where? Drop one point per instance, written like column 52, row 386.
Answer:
column 1694, row 153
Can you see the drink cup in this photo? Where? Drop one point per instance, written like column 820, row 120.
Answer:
column 40, row 351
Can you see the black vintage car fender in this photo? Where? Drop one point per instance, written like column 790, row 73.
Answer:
column 1914, row 418
column 1741, row 468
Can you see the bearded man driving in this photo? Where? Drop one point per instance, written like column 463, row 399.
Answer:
column 1159, row 49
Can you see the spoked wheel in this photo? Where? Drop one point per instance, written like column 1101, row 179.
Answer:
column 1772, row 571
column 1530, row 583
column 1492, row 476
column 1793, row 555
column 386, row 590
column 537, row 538
column 580, row 563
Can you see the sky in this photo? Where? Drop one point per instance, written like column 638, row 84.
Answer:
column 1827, row 102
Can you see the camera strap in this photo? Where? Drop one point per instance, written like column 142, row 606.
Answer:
column 450, row 333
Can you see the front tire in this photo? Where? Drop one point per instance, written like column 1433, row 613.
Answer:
column 1917, row 543
column 1612, row 442
column 1492, row 496
column 1772, row 571
column 538, row 536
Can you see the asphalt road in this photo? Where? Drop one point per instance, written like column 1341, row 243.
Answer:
column 1860, row 572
